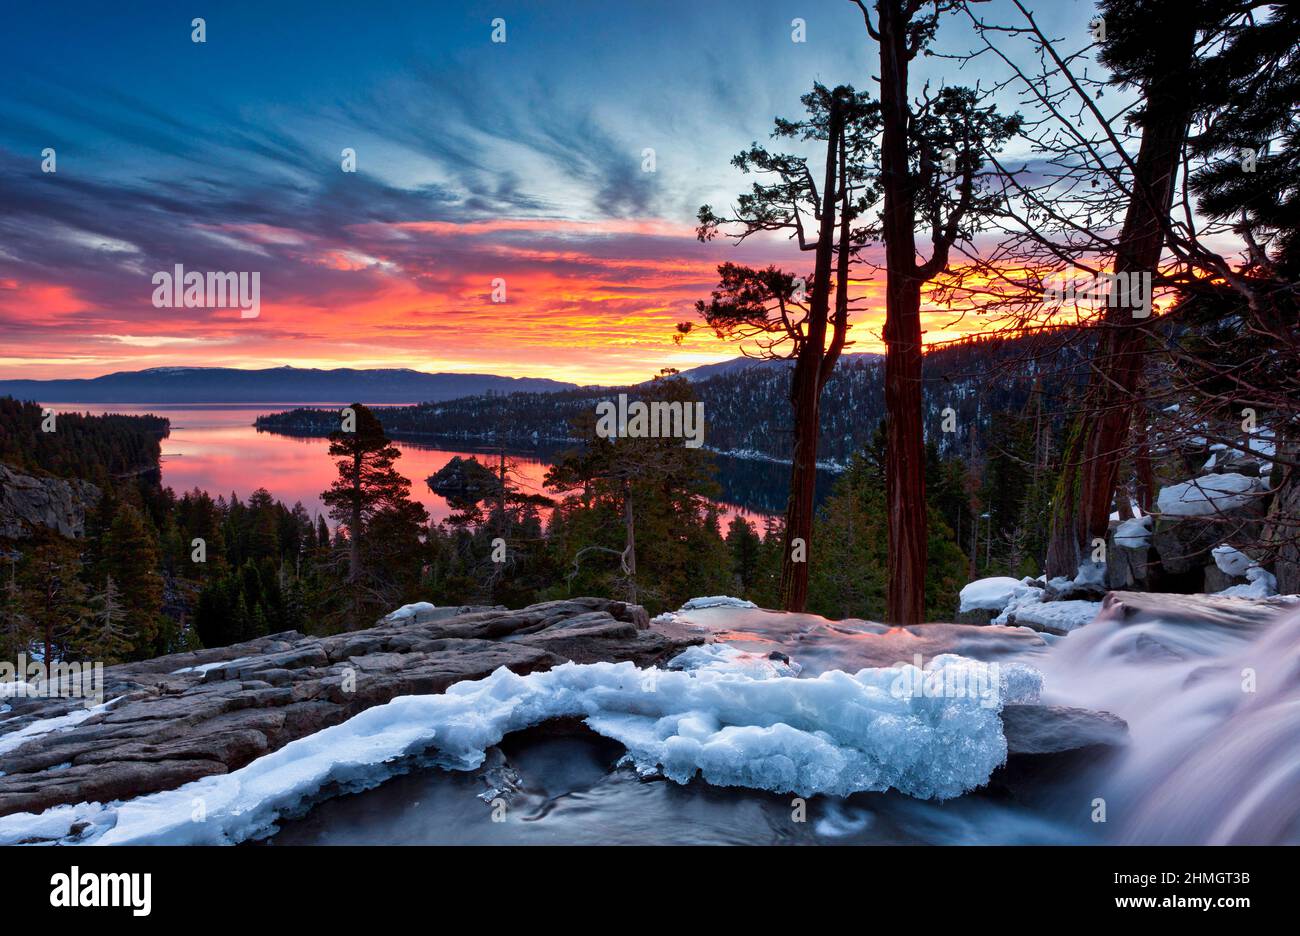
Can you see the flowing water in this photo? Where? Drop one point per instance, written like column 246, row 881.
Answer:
column 1210, row 690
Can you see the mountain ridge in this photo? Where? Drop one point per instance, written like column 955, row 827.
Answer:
column 284, row 384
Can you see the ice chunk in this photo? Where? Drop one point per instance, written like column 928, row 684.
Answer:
column 838, row 733
column 990, row 594
column 1207, row 495
column 722, row 657
column 716, row 601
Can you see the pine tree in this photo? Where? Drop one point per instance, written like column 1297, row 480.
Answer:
column 130, row 556
column 745, row 545
column 769, row 307
column 105, row 636
column 53, row 596
column 15, row 625
column 367, row 485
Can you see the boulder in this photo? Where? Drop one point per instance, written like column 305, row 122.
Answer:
column 1216, row 580
column 1199, row 515
column 1054, row 729
column 1129, row 559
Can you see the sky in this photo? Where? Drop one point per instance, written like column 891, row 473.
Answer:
column 476, row 161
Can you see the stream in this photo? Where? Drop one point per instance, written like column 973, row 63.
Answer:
column 1211, row 693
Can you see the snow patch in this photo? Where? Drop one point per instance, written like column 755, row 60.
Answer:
column 990, row 594
column 1261, row 584
column 1090, row 575
column 202, row 668
column 44, row 726
column 1134, row 533
column 409, row 612
column 1231, row 561
column 1207, row 495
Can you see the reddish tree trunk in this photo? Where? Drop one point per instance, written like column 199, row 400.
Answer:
column 905, row 448
column 805, row 391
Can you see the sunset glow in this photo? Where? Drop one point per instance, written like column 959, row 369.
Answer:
column 459, row 182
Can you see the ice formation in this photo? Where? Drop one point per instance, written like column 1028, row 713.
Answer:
column 716, row 601
column 838, row 733
column 723, row 657
column 1029, row 609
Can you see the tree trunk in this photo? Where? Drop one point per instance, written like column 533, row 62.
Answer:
column 354, row 543
column 629, row 549
column 805, row 390
column 1081, row 511
column 803, row 489
column 905, row 447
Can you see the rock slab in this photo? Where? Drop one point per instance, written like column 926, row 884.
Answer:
column 181, row 717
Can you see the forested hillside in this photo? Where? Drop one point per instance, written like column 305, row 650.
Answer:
column 746, row 410
column 95, row 448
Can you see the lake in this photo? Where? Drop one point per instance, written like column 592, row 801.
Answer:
column 216, row 448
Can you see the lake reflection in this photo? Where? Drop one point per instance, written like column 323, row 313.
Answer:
column 216, row 448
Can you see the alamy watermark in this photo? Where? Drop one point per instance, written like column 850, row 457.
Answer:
column 656, row 420
column 177, row 289
column 62, row 680
column 1117, row 290
column 982, row 682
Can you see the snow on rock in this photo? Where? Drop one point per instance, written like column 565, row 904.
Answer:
column 1261, row 584
column 1028, row 609
column 1056, row 616
column 202, row 668
column 838, row 733
column 990, row 594
column 716, row 601
column 1231, row 561
column 1210, row 494
column 408, row 612
column 1091, row 575
column 1134, row 533
column 44, row 726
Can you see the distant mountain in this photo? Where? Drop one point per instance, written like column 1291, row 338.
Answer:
column 272, row 385
column 736, row 365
